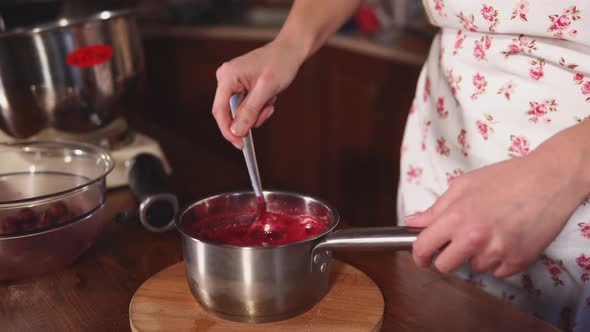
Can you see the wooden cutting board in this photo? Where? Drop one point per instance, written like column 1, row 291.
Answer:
column 165, row 303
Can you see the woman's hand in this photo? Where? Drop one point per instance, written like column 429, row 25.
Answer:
column 262, row 73
column 499, row 218
column 266, row 71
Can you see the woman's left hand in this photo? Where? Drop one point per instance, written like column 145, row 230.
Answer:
column 499, row 218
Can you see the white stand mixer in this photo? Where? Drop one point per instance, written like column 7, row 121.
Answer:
column 123, row 145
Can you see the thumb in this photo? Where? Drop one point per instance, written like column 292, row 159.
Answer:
column 251, row 107
column 420, row 219
column 426, row 218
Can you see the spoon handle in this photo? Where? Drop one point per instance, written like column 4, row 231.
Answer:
column 249, row 152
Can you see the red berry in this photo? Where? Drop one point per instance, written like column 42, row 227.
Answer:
column 28, row 219
column 58, row 210
column 9, row 225
column 46, row 220
column 57, row 213
column 26, row 214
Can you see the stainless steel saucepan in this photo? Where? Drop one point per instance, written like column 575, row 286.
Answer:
column 262, row 284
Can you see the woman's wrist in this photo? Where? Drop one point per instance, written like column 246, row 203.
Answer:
column 566, row 155
column 297, row 46
column 310, row 23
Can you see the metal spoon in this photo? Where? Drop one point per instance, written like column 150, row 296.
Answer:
column 249, row 156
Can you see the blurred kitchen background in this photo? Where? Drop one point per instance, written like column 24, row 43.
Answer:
column 337, row 130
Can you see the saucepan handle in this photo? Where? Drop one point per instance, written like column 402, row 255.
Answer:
column 370, row 238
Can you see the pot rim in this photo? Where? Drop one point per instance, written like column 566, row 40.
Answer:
column 62, row 23
column 189, row 207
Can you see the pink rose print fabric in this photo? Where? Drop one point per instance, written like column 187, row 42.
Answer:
column 414, row 174
column 425, row 129
column 501, row 78
column 474, row 281
column 462, row 139
column 584, row 264
column 439, row 6
column 563, row 63
column 481, row 47
column 485, row 127
column 585, row 89
column 520, row 10
column 554, row 269
column 440, row 107
column 451, row 176
column 519, row 146
column 562, row 23
column 529, row 285
column 491, row 16
column 507, row 297
column 467, row 21
column 539, row 111
column 461, row 36
column 520, row 45
column 427, row 89
column 454, row 81
column 585, row 229
column 537, row 70
column 479, row 84
column 507, row 89
column 442, row 147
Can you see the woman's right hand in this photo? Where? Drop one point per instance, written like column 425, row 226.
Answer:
column 262, row 74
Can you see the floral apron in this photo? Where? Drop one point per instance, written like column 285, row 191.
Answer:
column 502, row 77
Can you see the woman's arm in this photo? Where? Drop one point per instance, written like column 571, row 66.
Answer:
column 567, row 154
column 265, row 72
column 311, row 22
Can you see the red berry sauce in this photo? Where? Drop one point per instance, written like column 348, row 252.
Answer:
column 271, row 229
column 260, row 206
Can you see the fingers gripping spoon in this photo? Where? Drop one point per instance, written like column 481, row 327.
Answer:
column 250, row 157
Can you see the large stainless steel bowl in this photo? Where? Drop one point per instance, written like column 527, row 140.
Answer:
column 34, row 176
column 73, row 75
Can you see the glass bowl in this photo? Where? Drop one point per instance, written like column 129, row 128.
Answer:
column 52, row 197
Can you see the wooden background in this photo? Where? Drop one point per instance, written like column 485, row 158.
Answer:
column 336, row 132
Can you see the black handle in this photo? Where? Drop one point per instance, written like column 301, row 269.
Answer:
column 146, row 176
column 151, row 186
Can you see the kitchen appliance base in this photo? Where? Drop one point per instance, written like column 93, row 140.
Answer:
column 122, row 143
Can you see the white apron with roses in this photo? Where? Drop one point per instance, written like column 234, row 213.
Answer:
column 500, row 79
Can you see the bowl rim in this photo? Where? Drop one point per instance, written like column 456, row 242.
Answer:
column 101, row 153
column 64, row 23
column 180, row 215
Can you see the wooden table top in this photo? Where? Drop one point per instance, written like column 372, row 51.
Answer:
column 93, row 294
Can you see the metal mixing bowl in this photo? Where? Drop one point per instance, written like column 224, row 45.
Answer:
column 73, row 75
column 34, row 176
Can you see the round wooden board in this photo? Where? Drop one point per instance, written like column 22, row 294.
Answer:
column 165, row 303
